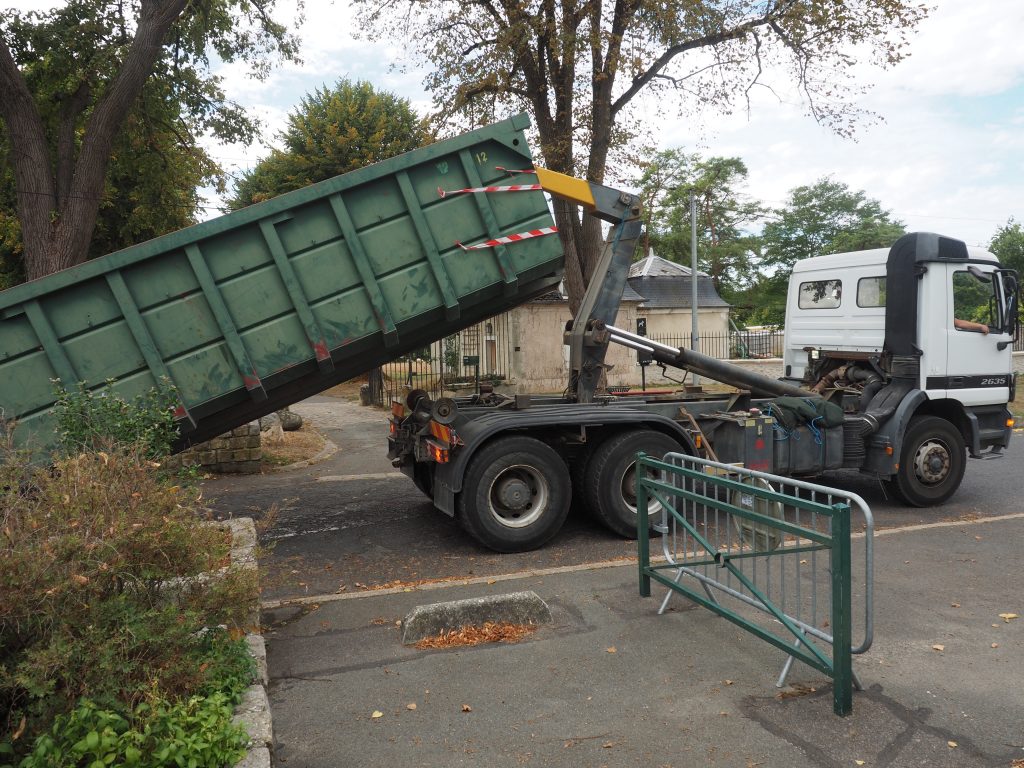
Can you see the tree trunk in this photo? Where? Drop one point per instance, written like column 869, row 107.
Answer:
column 57, row 224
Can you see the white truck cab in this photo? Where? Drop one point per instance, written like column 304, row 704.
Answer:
column 917, row 334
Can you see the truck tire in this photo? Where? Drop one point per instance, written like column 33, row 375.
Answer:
column 610, row 487
column 932, row 462
column 515, row 495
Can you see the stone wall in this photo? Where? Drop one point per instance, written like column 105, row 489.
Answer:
column 234, row 452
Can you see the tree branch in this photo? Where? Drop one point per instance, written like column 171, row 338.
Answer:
column 670, row 53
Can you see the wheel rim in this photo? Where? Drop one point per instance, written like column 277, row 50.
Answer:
column 932, row 462
column 518, row 496
column 628, row 490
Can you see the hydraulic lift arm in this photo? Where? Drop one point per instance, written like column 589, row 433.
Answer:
column 587, row 337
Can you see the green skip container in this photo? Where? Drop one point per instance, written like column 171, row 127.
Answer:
column 249, row 312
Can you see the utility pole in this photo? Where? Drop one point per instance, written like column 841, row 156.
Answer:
column 694, row 335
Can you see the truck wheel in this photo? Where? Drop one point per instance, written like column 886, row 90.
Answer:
column 931, row 463
column 610, row 487
column 515, row 495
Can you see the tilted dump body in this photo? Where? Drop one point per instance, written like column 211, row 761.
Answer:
column 260, row 308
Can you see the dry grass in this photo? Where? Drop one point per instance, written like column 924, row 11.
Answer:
column 490, row 632
column 285, row 448
column 347, row 390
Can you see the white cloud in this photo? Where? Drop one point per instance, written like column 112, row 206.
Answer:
column 949, row 155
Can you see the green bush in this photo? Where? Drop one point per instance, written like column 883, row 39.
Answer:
column 103, row 607
column 102, row 420
column 195, row 732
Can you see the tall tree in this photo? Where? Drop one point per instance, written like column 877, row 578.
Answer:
column 1008, row 245
column 333, row 131
column 71, row 78
column 725, row 215
column 580, row 66
column 825, row 217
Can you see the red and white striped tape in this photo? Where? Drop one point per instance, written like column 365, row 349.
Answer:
column 507, row 188
column 506, row 239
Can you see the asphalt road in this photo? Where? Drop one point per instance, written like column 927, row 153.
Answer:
column 351, row 522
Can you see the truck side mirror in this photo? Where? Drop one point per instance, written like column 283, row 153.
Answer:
column 1011, row 295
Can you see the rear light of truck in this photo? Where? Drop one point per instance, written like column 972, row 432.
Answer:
column 436, row 451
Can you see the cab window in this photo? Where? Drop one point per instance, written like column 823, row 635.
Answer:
column 974, row 298
column 871, row 292
column 821, row 294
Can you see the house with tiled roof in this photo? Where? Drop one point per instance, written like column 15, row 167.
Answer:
column 666, row 290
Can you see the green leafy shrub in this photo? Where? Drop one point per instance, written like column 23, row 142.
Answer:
column 90, row 420
column 195, row 732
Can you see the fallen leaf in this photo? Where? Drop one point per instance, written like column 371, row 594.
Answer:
column 21, row 729
column 411, row 706
column 728, row 682
column 723, row 714
column 80, row 578
column 377, row 714
column 490, row 632
column 466, row 708
column 938, row 647
column 995, row 645
column 977, row 538
column 951, row 744
column 954, row 605
column 1008, row 616
column 608, row 745
column 612, row 649
column 859, row 762
column 492, row 581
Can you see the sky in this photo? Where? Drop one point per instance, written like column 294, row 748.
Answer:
column 947, row 157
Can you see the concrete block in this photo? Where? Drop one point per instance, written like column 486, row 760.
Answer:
column 258, row 651
column 515, row 607
column 253, row 714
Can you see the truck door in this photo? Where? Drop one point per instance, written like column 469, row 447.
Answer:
column 977, row 371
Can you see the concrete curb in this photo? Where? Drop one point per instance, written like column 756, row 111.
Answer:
column 514, row 607
column 253, row 711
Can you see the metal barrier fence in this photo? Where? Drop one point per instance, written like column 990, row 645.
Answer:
column 770, row 554
column 735, row 345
